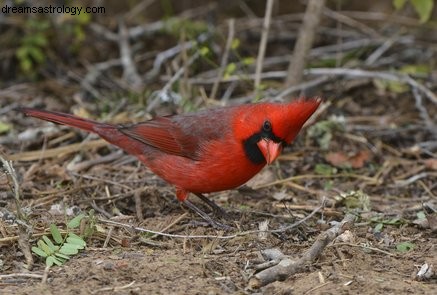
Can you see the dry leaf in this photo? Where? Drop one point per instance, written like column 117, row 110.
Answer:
column 339, row 159
column 431, row 164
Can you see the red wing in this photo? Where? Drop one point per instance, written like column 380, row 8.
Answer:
column 165, row 135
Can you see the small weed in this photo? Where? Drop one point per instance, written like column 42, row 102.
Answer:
column 60, row 247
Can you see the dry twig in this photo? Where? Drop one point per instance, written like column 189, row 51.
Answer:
column 225, row 57
column 263, row 43
column 287, row 267
column 304, row 41
column 24, row 230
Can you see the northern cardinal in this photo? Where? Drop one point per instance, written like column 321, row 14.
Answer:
column 209, row 151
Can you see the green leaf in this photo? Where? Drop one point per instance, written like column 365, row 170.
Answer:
column 423, row 8
column 229, row 70
column 247, row 61
column 405, row 246
column 399, row 4
column 53, row 260
column 421, row 215
column 49, row 243
column 204, row 51
column 397, row 87
column 60, row 255
column 69, row 249
column 43, row 246
column 38, row 40
column 75, row 244
column 235, row 43
column 415, row 69
column 324, row 169
column 394, row 221
column 78, row 242
column 39, row 252
column 50, row 261
column 75, row 222
column 26, row 64
column 56, row 234
column 36, row 53
column 4, row 127
column 378, row 228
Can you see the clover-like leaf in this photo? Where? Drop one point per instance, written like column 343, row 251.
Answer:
column 56, row 234
column 75, row 222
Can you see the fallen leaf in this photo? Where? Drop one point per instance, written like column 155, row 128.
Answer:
column 339, row 159
column 359, row 159
column 431, row 164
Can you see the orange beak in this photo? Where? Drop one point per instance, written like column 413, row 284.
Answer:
column 269, row 149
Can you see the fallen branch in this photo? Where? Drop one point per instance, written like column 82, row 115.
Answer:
column 287, row 266
column 24, row 230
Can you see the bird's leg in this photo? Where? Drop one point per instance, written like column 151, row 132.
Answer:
column 218, row 211
column 205, row 216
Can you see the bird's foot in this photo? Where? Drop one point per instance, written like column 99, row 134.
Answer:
column 214, row 223
column 218, row 211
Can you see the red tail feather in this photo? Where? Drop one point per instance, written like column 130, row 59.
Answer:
column 62, row 118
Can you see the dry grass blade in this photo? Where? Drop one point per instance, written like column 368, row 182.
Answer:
column 56, row 152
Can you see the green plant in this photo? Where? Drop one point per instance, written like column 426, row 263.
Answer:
column 422, row 7
column 405, row 247
column 380, row 223
column 60, row 248
column 30, row 53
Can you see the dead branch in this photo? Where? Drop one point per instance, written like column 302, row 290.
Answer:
column 130, row 73
column 225, row 57
column 24, row 230
column 287, row 266
column 263, row 43
column 304, row 41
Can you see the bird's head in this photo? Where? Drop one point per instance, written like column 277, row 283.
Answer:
column 265, row 128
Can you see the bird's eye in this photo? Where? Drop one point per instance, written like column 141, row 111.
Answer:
column 267, row 126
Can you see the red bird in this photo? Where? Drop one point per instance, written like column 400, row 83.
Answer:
column 209, row 151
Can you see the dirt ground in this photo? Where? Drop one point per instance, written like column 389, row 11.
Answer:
column 131, row 262
column 370, row 149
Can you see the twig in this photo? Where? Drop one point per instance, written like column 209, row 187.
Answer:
column 21, row 275
column 114, row 289
column 351, row 22
column 24, row 230
column 140, row 229
column 224, row 61
column 302, row 86
column 412, row 179
column 263, row 43
column 317, row 209
column 76, row 167
column 372, row 75
column 138, row 205
column 56, row 152
column 130, row 73
column 169, row 53
column 108, row 237
column 288, row 266
column 379, row 51
column 424, row 113
column 94, row 73
column 143, row 5
column 166, row 228
column 165, row 94
column 304, row 41
column 45, row 275
column 365, row 247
